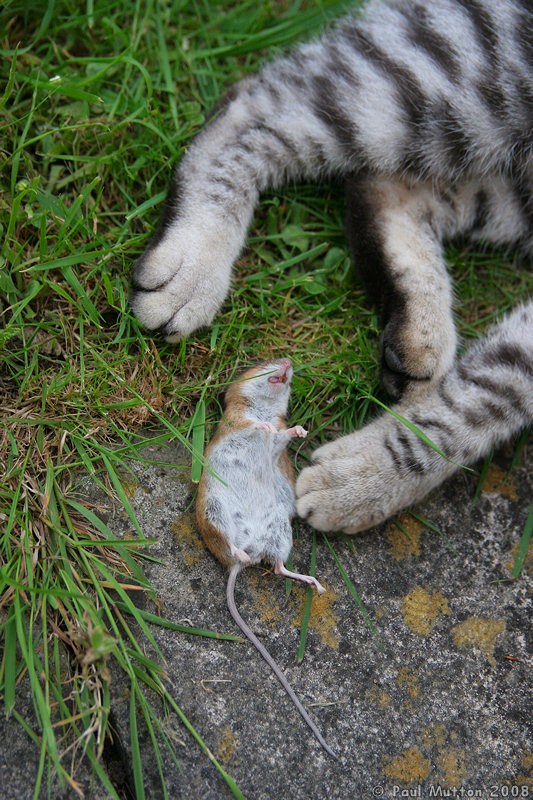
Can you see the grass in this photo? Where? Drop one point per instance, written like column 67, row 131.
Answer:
column 99, row 100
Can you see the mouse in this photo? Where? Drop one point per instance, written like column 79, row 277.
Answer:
column 245, row 501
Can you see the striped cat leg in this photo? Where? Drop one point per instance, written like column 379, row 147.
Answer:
column 487, row 397
column 265, row 133
column 395, row 233
column 441, row 89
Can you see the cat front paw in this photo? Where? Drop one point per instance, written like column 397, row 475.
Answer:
column 353, row 484
column 182, row 279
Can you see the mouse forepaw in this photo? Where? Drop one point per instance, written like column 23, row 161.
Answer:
column 265, row 426
column 297, row 430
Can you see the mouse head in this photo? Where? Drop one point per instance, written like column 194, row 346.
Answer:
column 265, row 388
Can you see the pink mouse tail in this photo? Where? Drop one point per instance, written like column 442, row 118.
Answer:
column 230, row 595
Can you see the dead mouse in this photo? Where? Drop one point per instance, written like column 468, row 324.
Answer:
column 246, row 516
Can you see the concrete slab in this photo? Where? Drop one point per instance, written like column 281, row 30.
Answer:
column 439, row 697
column 20, row 757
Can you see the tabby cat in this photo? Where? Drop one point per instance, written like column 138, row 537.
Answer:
column 426, row 111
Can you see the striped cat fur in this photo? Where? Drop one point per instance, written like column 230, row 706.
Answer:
column 426, row 112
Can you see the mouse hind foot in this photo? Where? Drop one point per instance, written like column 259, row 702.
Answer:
column 280, row 569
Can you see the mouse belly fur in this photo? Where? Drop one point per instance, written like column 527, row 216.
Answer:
column 253, row 510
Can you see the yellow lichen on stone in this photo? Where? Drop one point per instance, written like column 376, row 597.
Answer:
column 497, row 482
column 434, row 736
column 129, row 486
column 481, row 633
column 381, row 697
column 321, row 619
column 439, row 733
column 403, row 544
column 410, row 766
column 265, row 598
column 407, row 679
column 452, row 762
column 420, row 609
column 226, row 746
column 527, row 761
column 186, row 533
column 525, row 778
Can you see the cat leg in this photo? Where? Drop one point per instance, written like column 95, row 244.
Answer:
column 309, row 115
column 263, row 135
column 372, row 94
column 395, row 232
column 487, row 397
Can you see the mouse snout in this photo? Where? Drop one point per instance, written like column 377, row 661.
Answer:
column 283, row 374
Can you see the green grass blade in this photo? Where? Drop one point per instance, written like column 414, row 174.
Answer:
column 198, row 440
column 42, row 709
column 307, row 605
column 482, row 478
column 418, row 432
column 9, row 665
column 351, row 589
column 401, row 527
column 148, row 714
column 522, row 439
column 135, row 750
column 165, row 623
column 170, row 83
column 123, row 496
column 433, row 527
column 524, row 543
column 40, row 770
column 73, row 281
column 11, row 79
column 152, row 202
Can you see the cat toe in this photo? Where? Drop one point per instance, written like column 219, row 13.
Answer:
column 412, row 359
column 181, row 280
column 392, row 377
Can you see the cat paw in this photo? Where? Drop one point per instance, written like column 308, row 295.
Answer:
column 352, row 484
column 181, row 280
column 415, row 356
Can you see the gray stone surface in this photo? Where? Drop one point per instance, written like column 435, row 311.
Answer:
column 440, row 697
column 19, row 760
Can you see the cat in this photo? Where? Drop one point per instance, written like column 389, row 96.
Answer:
column 486, row 397
column 426, row 112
